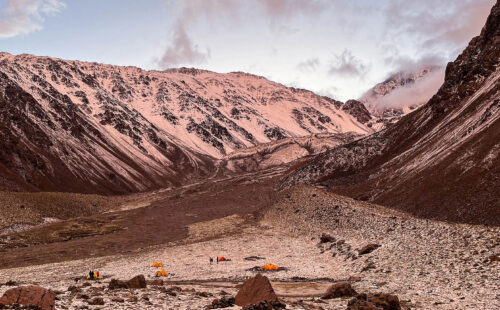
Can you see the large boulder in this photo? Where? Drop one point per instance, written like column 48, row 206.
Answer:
column 326, row 238
column 377, row 301
column 136, row 282
column 33, row 295
column 254, row 291
column 117, row 284
column 341, row 289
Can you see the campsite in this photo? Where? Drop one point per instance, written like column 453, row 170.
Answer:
column 312, row 261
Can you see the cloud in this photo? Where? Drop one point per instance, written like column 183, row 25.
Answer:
column 409, row 65
column 414, row 94
column 445, row 23
column 193, row 10
column 182, row 50
column 25, row 16
column 309, row 65
column 347, row 65
column 286, row 8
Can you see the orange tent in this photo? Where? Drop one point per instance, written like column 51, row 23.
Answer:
column 161, row 273
column 269, row 267
column 157, row 264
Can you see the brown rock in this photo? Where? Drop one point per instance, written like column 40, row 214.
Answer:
column 494, row 258
column 132, row 298
column 98, row 301
column 32, row 295
column 117, row 284
column 377, row 301
column 224, row 302
column 325, row 238
column 136, row 282
column 117, row 299
column 368, row 248
column 254, row 291
column 266, row 305
column 73, row 289
column 369, row 265
column 354, row 279
column 82, row 296
column 341, row 289
column 203, row 294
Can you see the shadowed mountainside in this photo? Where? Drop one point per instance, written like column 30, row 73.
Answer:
column 441, row 161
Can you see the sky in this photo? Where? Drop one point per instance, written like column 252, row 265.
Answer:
column 338, row 48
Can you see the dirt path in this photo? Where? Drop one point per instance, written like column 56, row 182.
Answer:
column 162, row 221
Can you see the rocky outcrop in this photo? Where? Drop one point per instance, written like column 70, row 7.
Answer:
column 358, row 110
column 337, row 290
column 441, row 161
column 224, row 302
column 32, row 295
column 286, row 151
column 368, row 248
column 255, row 290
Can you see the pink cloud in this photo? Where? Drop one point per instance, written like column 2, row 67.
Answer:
column 182, row 50
column 414, row 94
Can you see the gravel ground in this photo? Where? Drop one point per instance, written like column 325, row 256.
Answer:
column 429, row 264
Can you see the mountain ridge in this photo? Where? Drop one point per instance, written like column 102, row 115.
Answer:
column 442, row 160
column 82, row 126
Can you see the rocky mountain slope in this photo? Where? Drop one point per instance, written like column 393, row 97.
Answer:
column 441, row 161
column 283, row 152
column 88, row 127
column 401, row 93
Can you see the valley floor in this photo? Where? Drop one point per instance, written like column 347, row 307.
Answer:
column 428, row 264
